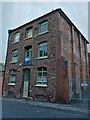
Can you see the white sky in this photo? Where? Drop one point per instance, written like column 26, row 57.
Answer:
column 15, row 14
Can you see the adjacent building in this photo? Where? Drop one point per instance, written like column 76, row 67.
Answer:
column 89, row 63
column 1, row 77
column 45, row 59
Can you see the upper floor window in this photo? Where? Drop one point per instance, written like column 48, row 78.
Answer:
column 28, row 55
column 16, row 37
column 43, row 27
column 29, row 32
column 15, row 55
column 42, row 50
column 12, row 76
column 42, row 75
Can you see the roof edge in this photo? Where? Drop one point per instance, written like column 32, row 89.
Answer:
column 53, row 11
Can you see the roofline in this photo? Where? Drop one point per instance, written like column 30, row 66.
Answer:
column 53, row 11
column 72, row 24
column 11, row 30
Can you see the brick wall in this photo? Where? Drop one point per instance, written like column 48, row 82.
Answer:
column 74, row 51
column 51, row 38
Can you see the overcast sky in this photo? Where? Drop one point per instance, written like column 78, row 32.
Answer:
column 15, row 14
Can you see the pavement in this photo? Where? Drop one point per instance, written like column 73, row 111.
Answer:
column 80, row 106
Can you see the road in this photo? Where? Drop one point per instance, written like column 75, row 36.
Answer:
column 13, row 109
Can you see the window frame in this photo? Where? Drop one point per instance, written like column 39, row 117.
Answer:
column 13, row 74
column 44, row 48
column 16, row 37
column 14, row 57
column 27, row 31
column 28, row 49
column 43, row 78
column 41, row 26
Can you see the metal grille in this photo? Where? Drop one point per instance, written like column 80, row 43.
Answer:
column 79, row 89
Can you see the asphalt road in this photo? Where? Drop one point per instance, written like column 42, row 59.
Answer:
column 12, row 109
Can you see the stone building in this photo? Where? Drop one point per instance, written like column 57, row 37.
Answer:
column 45, row 58
column 1, row 77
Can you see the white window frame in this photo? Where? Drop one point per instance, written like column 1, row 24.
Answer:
column 29, row 32
column 16, row 37
column 14, row 58
column 41, row 25
column 44, row 48
column 12, row 79
column 42, row 80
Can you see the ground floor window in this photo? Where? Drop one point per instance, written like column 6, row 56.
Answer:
column 12, row 76
column 42, row 75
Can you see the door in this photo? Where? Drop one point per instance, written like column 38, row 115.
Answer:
column 26, row 79
column 70, row 89
column 25, row 89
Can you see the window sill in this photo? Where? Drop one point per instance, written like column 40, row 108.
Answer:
column 15, row 42
column 27, row 38
column 12, row 84
column 42, row 33
column 40, row 85
column 45, row 57
column 13, row 62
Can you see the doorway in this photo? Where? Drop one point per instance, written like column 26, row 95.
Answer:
column 26, row 79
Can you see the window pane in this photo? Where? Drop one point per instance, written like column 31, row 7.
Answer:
column 29, row 33
column 42, row 49
column 15, row 53
column 45, row 53
column 12, row 76
column 41, row 75
column 40, row 69
column 40, row 53
column 15, row 56
column 28, row 55
column 43, row 27
column 44, row 69
column 16, row 37
column 44, row 74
